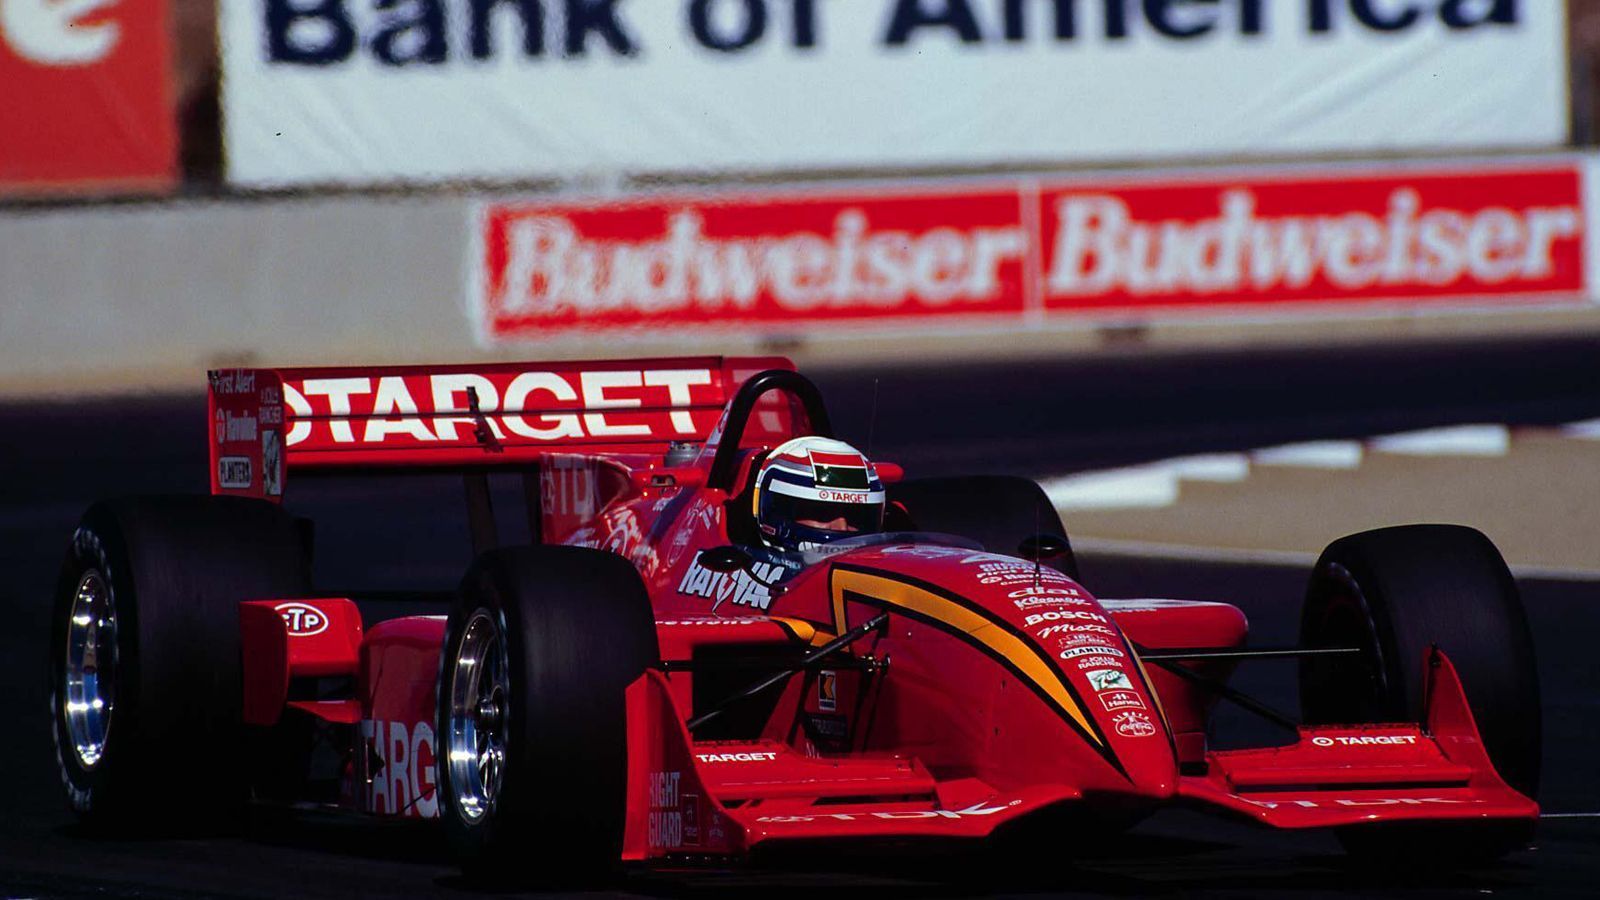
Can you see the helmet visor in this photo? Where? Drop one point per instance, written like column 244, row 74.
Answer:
column 818, row 520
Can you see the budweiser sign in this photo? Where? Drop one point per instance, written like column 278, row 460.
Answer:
column 753, row 260
column 1433, row 235
column 919, row 257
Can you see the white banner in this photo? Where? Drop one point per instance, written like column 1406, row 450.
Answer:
column 362, row 91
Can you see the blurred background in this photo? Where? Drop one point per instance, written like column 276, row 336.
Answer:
column 186, row 183
column 1232, row 278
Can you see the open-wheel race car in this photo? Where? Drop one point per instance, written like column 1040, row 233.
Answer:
column 732, row 631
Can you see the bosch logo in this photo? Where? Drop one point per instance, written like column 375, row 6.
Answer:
column 302, row 619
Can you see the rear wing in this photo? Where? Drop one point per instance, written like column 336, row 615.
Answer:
column 266, row 422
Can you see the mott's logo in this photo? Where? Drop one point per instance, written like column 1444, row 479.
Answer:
column 303, row 619
column 59, row 32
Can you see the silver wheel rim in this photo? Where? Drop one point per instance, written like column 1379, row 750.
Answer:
column 91, row 668
column 480, row 692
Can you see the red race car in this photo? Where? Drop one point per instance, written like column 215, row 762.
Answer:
column 731, row 631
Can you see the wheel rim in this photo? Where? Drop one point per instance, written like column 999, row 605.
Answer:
column 1363, row 678
column 91, row 668
column 480, row 691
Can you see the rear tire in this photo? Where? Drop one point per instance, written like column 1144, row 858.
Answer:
column 570, row 628
column 997, row 511
column 1396, row 592
column 154, row 584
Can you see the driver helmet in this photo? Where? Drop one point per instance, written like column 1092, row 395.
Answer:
column 811, row 490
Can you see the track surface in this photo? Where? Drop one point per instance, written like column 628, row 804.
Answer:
column 1034, row 418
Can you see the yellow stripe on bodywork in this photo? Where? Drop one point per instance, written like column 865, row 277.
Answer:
column 800, row 630
column 978, row 628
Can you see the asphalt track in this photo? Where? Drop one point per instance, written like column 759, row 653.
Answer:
column 1031, row 417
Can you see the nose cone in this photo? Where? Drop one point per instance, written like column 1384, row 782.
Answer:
column 1047, row 630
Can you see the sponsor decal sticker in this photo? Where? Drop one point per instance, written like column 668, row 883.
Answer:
column 1099, row 662
column 1076, row 652
column 1081, row 640
column 976, row 809
column 302, row 619
column 742, row 588
column 1364, row 801
column 827, row 690
column 234, row 473
column 1133, row 724
column 1108, row 679
column 1364, row 740
column 758, row 756
column 1049, row 630
column 665, row 820
column 1066, row 615
column 271, row 462
column 401, row 768
column 1115, row 700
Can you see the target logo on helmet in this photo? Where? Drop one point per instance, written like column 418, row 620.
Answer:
column 811, row 491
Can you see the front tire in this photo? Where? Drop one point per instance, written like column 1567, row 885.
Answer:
column 541, row 644
column 145, row 689
column 1396, row 592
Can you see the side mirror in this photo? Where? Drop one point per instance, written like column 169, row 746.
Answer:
column 725, row 559
column 675, row 476
column 1043, row 547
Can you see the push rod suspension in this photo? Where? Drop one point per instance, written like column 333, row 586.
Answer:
column 805, row 662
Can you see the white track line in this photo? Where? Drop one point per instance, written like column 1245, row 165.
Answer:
column 1191, row 552
column 1225, row 468
column 1311, row 454
column 1138, row 487
column 1143, row 487
column 1458, row 440
column 1593, row 815
column 1585, row 431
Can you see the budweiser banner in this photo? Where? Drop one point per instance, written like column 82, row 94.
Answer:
column 84, row 96
column 1019, row 253
column 324, row 91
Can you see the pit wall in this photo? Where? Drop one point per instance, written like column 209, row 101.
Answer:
column 110, row 299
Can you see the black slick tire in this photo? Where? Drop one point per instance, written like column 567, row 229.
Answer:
column 577, row 629
column 1395, row 593
column 176, row 569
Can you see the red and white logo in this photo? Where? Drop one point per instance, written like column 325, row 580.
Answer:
column 1133, row 724
column 751, row 260
column 302, row 619
column 1115, row 700
column 86, row 94
column 1357, row 237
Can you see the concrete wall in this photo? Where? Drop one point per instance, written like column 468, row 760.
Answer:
column 127, row 298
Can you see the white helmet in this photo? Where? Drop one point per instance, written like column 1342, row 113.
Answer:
column 813, row 490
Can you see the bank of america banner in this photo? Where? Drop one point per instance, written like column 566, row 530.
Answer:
column 368, row 91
